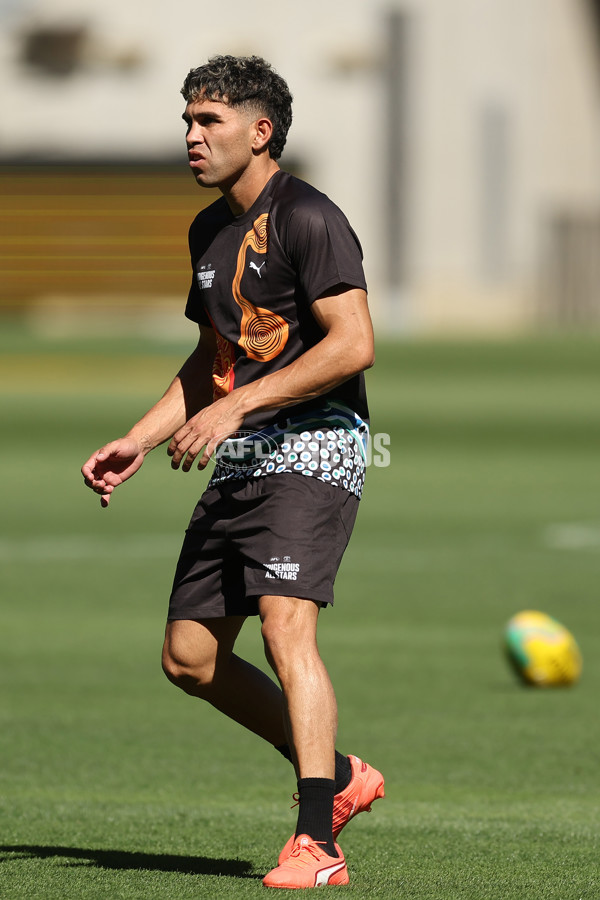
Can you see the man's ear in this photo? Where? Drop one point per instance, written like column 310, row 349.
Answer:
column 263, row 133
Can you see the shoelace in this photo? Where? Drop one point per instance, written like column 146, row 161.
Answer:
column 311, row 848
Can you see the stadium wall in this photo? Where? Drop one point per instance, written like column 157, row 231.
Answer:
column 482, row 115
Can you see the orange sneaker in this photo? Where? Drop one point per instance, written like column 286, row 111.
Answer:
column 366, row 786
column 307, row 866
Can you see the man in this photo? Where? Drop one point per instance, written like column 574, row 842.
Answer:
column 275, row 391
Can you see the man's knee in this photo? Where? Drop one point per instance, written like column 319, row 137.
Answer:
column 195, row 654
column 288, row 629
column 185, row 667
column 181, row 672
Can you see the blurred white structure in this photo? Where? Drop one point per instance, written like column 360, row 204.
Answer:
column 461, row 137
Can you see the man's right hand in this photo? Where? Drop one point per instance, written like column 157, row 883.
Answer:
column 111, row 465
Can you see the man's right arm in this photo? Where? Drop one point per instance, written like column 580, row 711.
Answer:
column 188, row 393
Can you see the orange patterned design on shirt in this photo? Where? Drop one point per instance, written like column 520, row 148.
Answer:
column 223, row 374
column 263, row 334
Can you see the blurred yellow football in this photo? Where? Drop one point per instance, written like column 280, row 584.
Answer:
column 542, row 651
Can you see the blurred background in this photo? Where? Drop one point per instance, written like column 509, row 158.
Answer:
column 461, row 137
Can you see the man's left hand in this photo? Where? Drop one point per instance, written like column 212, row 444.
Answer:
column 205, row 431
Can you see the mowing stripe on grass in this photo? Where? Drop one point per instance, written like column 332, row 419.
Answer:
column 71, row 547
column 573, row 536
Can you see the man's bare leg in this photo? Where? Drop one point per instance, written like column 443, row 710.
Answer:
column 290, row 635
column 198, row 657
column 289, row 627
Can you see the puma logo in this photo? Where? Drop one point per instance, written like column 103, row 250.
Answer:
column 323, row 875
column 257, row 268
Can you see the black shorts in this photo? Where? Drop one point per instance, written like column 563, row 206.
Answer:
column 281, row 535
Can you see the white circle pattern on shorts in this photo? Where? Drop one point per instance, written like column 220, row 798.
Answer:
column 336, row 454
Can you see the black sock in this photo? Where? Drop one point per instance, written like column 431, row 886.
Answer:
column 343, row 770
column 315, row 815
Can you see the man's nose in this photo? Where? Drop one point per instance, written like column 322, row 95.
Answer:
column 194, row 135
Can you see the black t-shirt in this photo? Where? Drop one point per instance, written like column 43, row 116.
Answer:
column 255, row 278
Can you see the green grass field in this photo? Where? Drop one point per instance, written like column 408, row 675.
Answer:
column 116, row 785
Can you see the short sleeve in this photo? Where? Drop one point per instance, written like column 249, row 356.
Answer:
column 194, row 308
column 323, row 248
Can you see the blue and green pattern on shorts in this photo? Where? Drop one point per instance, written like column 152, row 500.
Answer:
column 329, row 444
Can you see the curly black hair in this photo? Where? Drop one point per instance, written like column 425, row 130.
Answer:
column 248, row 81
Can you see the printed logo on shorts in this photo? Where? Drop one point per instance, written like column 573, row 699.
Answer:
column 282, row 569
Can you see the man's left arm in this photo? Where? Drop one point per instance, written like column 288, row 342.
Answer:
column 346, row 349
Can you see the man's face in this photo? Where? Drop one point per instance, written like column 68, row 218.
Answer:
column 219, row 140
